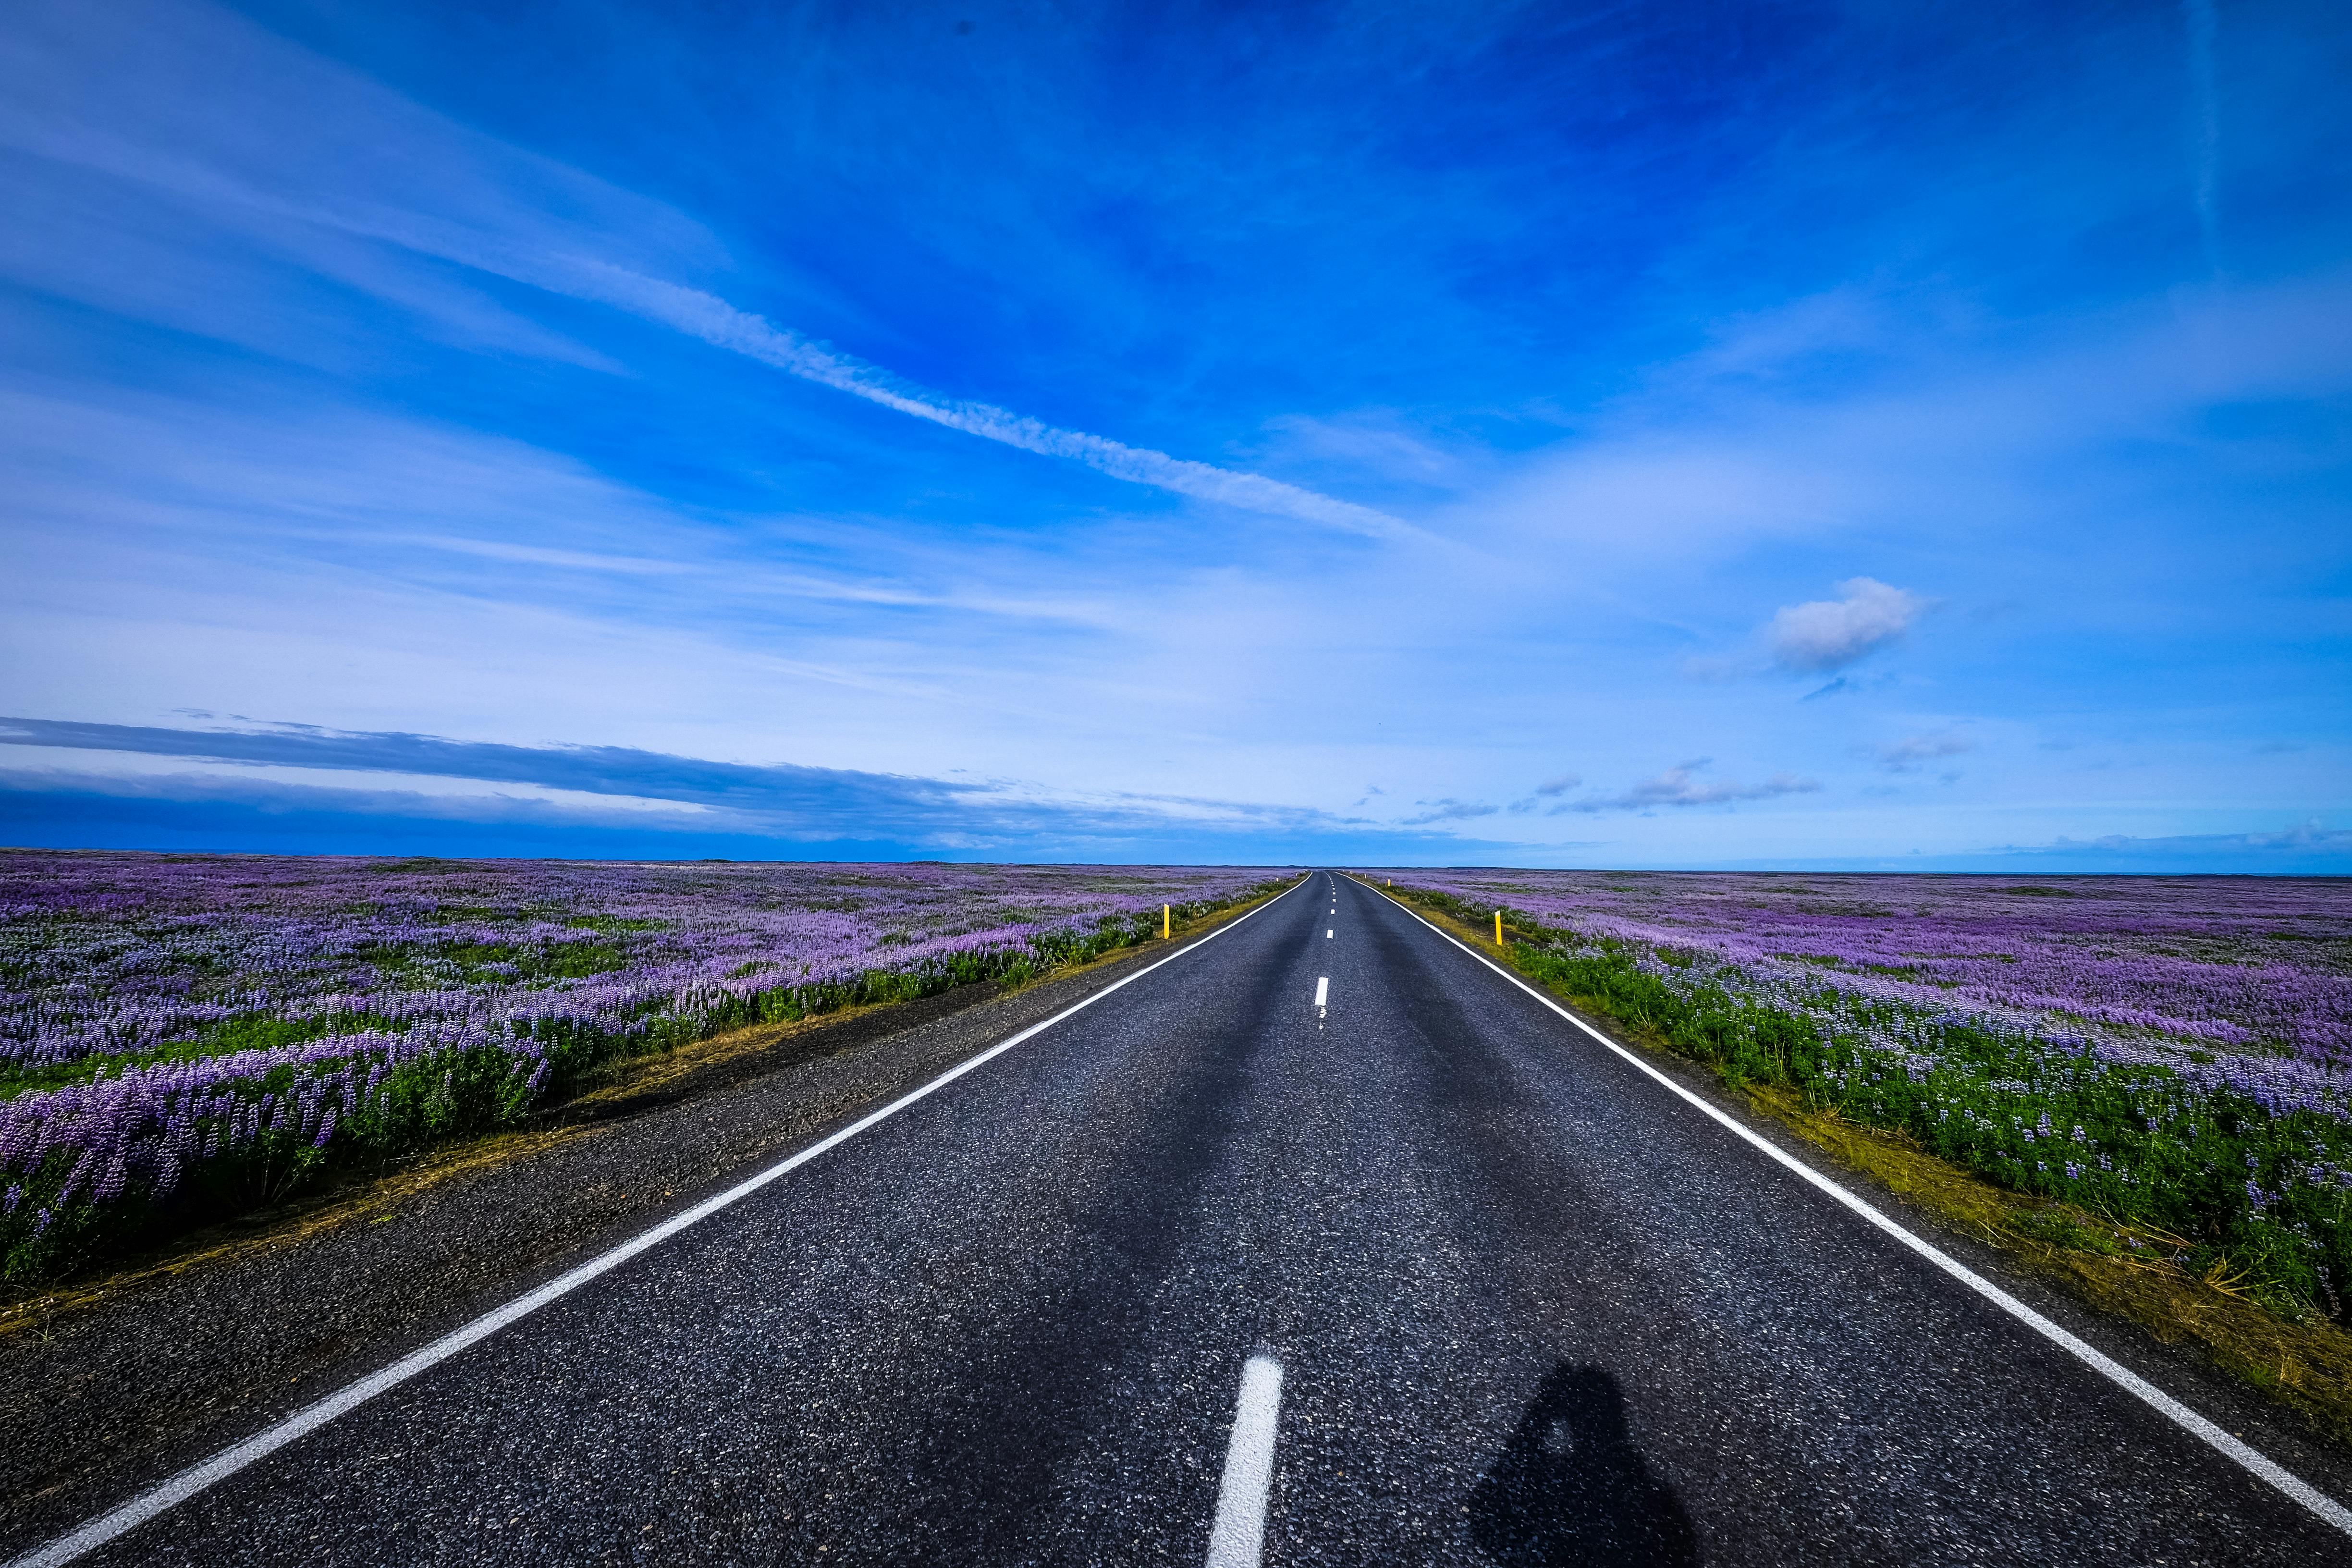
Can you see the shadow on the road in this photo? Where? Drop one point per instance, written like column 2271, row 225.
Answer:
column 1569, row 1489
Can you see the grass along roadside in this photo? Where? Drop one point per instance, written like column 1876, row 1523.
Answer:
column 354, row 1193
column 2179, row 1294
column 358, row 1200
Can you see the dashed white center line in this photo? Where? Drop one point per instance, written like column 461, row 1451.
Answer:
column 1327, row 935
column 1238, row 1537
column 1322, row 989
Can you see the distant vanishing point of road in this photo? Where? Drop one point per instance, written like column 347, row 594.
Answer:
column 1318, row 1241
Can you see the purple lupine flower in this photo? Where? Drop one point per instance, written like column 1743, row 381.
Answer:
column 2236, row 963
column 368, row 959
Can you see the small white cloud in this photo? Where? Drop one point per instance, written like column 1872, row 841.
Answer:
column 1681, row 787
column 1449, row 810
column 1715, row 667
column 1913, row 752
column 1559, row 785
column 2308, row 834
column 1829, row 633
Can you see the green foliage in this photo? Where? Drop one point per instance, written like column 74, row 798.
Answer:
column 444, row 1096
column 246, row 1032
column 614, row 923
column 425, row 966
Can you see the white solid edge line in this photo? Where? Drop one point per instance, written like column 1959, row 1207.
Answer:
column 1238, row 1539
column 2249, row 1457
column 198, row 1478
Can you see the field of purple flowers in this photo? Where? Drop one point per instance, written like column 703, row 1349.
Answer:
column 2235, row 964
column 2173, row 1053
column 181, row 1035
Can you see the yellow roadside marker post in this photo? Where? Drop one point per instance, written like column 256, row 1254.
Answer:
column 1498, row 927
column 1164, row 922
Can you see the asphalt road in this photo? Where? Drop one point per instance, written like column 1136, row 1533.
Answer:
column 1515, row 1301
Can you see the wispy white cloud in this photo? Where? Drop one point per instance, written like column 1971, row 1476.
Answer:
column 280, row 767
column 2309, row 847
column 1957, row 428
column 493, row 225
column 1840, row 322
column 1449, row 810
column 30, row 768
column 394, row 492
column 534, row 556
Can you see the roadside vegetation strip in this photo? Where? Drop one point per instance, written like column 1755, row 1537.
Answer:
column 186, row 1037
column 200, row 1478
column 2306, row 1362
column 2228, row 1445
column 2156, row 1257
column 380, row 1200
column 2178, row 968
column 2242, row 1157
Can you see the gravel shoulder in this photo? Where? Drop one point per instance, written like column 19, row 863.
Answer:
column 109, row 1384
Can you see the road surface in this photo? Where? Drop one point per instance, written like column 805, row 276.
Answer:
column 1206, row 1272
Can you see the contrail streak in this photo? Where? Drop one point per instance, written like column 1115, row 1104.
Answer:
column 2202, row 24
column 701, row 315
column 715, row 321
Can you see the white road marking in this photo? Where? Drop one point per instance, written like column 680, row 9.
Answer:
column 1322, row 990
column 2253, row 1459
column 1326, row 934
column 1238, row 1537
column 198, row 1478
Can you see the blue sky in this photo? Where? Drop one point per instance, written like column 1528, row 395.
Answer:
column 1634, row 435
